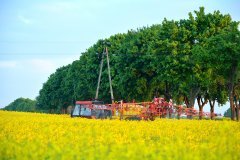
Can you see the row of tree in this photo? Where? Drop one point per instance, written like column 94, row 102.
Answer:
column 22, row 104
column 191, row 59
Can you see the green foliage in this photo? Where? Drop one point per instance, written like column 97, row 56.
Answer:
column 22, row 104
column 57, row 91
column 174, row 59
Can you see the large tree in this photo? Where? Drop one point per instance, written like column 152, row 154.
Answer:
column 56, row 93
column 223, row 50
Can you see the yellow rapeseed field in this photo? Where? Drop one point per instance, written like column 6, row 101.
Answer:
column 43, row 136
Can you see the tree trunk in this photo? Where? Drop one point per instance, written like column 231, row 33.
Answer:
column 201, row 104
column 167, row 94
column 212, row 103
column 231, row 91
column 179, row 110
column 237, row 113
column 237, row 108
column 190, row 104
column 200, row 112
column 191, row 100
column 232, row 106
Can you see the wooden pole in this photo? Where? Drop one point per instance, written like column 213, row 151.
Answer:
column 109, row 76
column 99, row 76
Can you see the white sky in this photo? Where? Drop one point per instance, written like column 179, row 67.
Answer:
column 37, row 37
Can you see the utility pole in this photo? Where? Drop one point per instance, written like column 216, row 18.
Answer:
column 99, row 76
column 105, row 51
column 109, row 76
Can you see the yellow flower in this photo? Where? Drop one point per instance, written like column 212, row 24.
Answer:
column 45, row 136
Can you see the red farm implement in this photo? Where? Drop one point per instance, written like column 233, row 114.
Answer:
column 159, row 107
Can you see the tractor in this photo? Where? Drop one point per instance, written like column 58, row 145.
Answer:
column 91, row 110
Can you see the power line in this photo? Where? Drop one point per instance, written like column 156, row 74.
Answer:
column 44, row 41
column 39, row 54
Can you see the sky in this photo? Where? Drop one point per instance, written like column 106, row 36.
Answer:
column 37, row 37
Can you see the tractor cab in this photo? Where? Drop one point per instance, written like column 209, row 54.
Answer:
column 91, row 109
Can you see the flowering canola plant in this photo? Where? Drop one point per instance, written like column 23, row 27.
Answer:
column 45, row 136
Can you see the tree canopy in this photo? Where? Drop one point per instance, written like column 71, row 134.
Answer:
column 183, row 60
column 22, row 104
